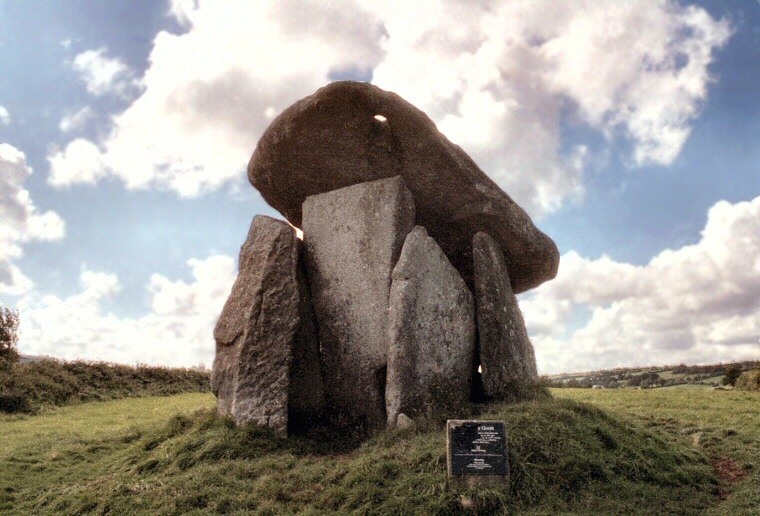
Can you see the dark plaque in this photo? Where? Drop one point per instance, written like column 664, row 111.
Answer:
column 477, row 449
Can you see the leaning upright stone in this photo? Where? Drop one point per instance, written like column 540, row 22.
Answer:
column 353, row 237
column 506, row 354
column 431, row 331
column 258, row 330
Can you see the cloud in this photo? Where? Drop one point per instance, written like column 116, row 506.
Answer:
column 210, row 93
column 177, row 332
column 503, row 80
column 5, row 117
column 80, row 162
column 20, row 221
column 696, row 304
column 104, row 75
column 76, row 120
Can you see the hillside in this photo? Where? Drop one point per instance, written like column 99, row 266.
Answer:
column 665, row 451
column 649, row 377
column 31, row 385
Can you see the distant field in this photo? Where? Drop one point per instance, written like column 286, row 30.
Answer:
column 649, row 377
column 660, row 451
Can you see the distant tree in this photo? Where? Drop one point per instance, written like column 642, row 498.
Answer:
column 681, row 369
column 8, row 336
column 732, row 374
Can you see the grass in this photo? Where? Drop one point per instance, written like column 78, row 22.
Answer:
column 635, row 454
column 30, row 387
column 723, row 424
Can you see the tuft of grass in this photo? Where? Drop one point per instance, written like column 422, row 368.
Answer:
column 29, row 387
column 566, row 456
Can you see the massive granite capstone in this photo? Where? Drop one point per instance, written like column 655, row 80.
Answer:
column 352, row 132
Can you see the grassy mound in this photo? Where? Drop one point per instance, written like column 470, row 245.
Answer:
column 30, row 386
column 565, row 456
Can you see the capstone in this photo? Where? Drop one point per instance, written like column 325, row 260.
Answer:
column 333, row 139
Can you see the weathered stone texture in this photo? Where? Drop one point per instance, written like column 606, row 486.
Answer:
column 306, row 396
column 352, row 238
column 506, row 353
column 257, row 330
column 332, row 139
column 431, row 331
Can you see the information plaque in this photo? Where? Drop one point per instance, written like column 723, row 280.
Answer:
column 477, row 452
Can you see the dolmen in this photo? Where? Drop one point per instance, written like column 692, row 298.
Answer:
column 401, row 295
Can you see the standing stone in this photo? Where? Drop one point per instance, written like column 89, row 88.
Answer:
column 431, row 331
column 352, row 132
column 353, row 237
column 506, row 354
column 257, row 331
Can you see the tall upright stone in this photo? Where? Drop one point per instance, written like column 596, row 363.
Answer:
column 257, row 334
column 431, row 331
column 506, row 353
column 353, row 237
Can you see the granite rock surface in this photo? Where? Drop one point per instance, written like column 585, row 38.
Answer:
column 352, row 132
column 506, row 353
column 431, row 331
column 263, row 326
column 352, row 239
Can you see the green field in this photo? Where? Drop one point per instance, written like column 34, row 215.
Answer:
column 651, row 376
column 657, row 451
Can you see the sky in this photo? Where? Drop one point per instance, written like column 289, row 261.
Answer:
column 627, row 130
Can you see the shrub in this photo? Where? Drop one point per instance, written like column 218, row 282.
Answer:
column 749, row 381
column 28, row 386
column 13, row 403
column 732, row 374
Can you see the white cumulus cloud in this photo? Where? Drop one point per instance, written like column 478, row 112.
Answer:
column 104, row 75
column 696, row 304
column 76, row 120
column 20, row 221
column 501, row 79
column 177, row 332
column 79, row 162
